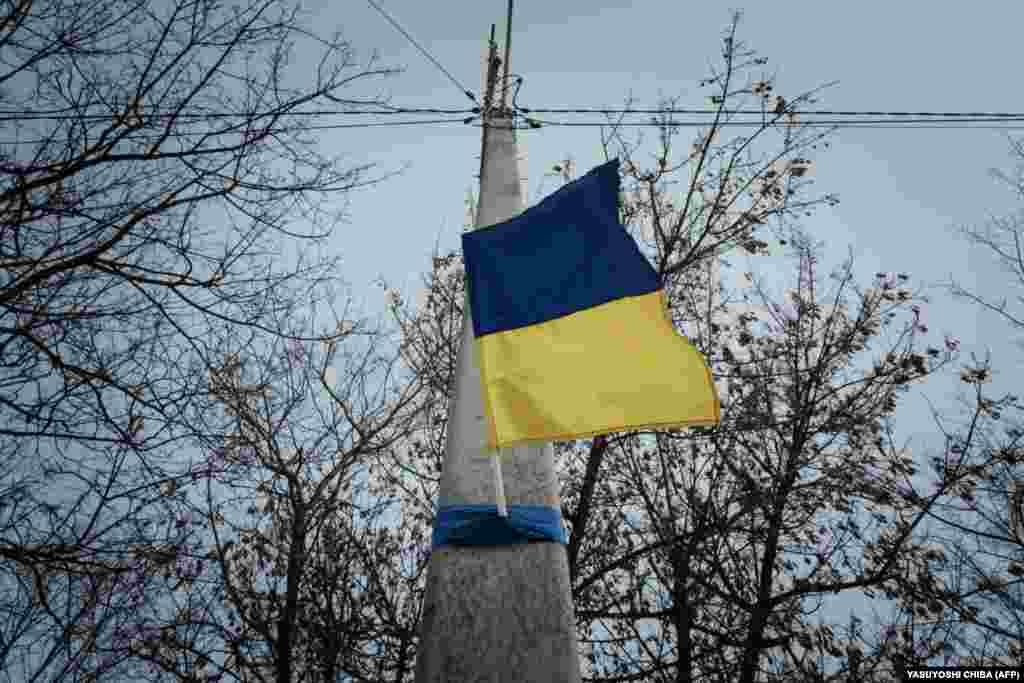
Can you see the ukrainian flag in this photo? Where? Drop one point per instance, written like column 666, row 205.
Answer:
column 573, row 335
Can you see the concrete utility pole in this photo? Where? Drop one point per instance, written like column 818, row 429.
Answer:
column 495, row 613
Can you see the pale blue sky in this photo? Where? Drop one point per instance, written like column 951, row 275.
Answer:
column 901, row 190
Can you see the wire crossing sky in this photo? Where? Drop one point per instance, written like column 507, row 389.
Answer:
column 391, row 20
column 526, row 118
column 880, row 116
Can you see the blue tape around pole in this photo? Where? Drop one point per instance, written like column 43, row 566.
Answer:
column 482, row 525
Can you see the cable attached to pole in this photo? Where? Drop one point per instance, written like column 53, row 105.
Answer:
column 423, row 51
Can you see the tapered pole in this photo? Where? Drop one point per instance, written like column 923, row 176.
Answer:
column 495, row 613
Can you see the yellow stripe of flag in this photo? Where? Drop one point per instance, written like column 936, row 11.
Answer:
column 610, row 368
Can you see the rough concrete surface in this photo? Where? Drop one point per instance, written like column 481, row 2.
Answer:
column 498, row 614
column 501, row 614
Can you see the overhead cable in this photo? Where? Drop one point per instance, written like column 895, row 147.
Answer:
column 900, row 117
column 761, row 112
column 816, row 123
column 9, row 115
column 423, row 51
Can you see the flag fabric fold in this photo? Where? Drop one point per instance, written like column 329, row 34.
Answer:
column 573, row 336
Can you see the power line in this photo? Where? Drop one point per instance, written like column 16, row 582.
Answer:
column 381, row 124
column 848, row 125
column 849, row 119
column 434, row 122
column 762, row 112
column 381, row 109
column 965, row 123
column 902, row 117
column 426, row 54
column 904, row 120
column 186, row 116
column 279, row 129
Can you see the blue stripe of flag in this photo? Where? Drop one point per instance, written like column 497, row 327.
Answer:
column 566, row 254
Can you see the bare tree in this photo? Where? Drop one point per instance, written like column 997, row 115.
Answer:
column 1000, row 238
column 976, row 525
column 156, row 161
column 293, row 587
